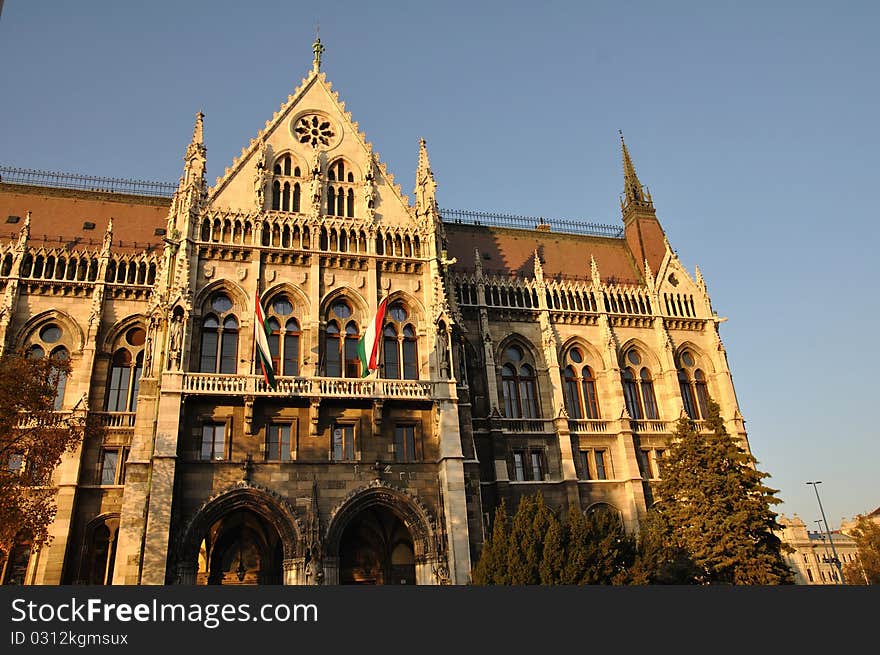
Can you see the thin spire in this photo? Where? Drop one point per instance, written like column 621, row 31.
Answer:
column 426, row 187
column 317, row 49
column 198, row 129
column 632, row 188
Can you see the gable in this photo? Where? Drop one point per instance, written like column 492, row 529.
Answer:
column 312, row 127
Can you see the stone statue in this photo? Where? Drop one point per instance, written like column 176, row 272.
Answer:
column 315, row 184
column 443, row 352
column 314, row 570
column 174, row 339
column 261, row 177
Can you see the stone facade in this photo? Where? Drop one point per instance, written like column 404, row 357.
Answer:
column 515, row 359
column 812, row 557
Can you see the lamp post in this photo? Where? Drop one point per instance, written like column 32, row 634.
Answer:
column 815, row 484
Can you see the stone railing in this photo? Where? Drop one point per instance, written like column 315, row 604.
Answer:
column 651, row 425
column 115, row 420
column 524, row 425
column 211, row 383
column 587, row 426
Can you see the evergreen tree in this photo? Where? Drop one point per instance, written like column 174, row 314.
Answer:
column 866, row 569
column 717, row 509
column 659, row 560
column 523, row 551
column 553, row 555
column 492, row 565
column 598, row 550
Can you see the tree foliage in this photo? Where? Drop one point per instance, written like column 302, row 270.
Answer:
column 535, row 547
column 715, row 511
column 33, row 438
column 866, row 569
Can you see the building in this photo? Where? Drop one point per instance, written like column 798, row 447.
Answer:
column 812, row 557
column 517, row 356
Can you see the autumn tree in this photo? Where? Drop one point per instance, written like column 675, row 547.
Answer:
column 714, row 508
column 33, row 438
column 866, row 568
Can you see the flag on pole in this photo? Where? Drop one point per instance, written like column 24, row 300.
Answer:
column 261, row 341
column 368, row 345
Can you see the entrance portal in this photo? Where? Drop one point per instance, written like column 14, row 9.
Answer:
column 240, row 549
column 376, row 548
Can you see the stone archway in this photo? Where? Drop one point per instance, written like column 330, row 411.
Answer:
column 382, row 535
column 243, row 535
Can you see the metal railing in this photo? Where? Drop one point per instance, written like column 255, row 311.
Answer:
column 211, row 383
column 495, row 219
column 33, row 177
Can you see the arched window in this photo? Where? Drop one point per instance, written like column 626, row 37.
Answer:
column 631, row 394
column 648, row 398
column 50, row 339
column 518, row 385
column 340, row 195
column 99, row 553
column 283, row 344
column 692, row 383
column 126, row 367
column 219, row 345
column 399, row 345
column 341, row 357
column 638, row 390
column 581, row 400
column 285, row 187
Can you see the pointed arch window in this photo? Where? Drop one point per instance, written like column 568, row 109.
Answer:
column 286, row 190
column 340, row 194
column 283, row 343
column 579, row 385
column 519, row 385
column 219, row 338
column 49, row 339
column 648, row 397
column 62, row 354
column 126, row 366
column 341, row 357
column 631, row 394
column 692, row 383
column 399, row 345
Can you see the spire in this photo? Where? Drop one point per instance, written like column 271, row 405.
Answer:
column 633, row 192
column 318, row 49
column 426, row 187
column 25, row 233
column 539, row 269
column 198, row 129
column 594, row 273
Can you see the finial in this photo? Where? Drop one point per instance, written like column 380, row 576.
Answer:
column 539, row 269
column 594, row 273
column 318, row 49
column 632, row 188
column 198, row 129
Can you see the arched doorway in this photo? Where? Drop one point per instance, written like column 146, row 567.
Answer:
column 377, row 549
column 240, row 548
column 244, row 535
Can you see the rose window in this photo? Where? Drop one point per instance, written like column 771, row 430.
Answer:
column 313, row 130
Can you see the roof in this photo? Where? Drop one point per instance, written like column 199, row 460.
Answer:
column 58, row 216
column 567, row 256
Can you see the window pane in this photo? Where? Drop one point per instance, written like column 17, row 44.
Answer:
column 229, row 353
column 219, row 441
column 528, row 399
column 572, row 401
column 650, row 401
column 331, row 348
column 631, row 396
column 518, row 466
column 208, row 361
column 687, row 396
column 352, row 359
column 291, row 354
column 410, row 360
column 591, row 401
column 511, row 402
column 108, row 466
column 390, row 355
column 537, row 465
column 703, row 398
column 405, row 443
column 600, row 464
column 585, row 464
column 118, row 391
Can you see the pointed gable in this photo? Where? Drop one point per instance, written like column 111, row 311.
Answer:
column 312, row 128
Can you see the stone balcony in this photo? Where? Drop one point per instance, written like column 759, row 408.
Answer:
column 313, row 387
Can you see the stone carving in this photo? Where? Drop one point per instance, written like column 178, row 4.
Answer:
column 175, row 336
column 261, row 177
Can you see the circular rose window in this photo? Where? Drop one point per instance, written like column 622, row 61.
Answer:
column 314, row 130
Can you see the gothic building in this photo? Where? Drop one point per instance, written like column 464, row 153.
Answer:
column 516, row 357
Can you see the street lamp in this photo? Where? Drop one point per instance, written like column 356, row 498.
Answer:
column 815, row 484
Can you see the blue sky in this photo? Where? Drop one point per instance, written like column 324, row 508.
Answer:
column 754, row 124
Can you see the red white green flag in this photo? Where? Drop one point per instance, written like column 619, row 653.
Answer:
column 261, row 340
column 368, row 345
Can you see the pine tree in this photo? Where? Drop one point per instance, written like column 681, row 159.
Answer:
column 659, row 559
column 492, row 565
column 717, row 509
column 553, row 554
column 598, row 550
column 523, row 552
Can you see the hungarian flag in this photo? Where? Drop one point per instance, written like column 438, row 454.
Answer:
column 261, row 339
column 368, row 346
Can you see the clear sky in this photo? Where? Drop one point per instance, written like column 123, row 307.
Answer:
column 755, row 124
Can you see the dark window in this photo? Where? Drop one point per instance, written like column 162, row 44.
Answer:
column 291, row 347
column 332, row 351
column 213, row 441
column 599, row 456
column 702, row 392
column 648, row 394
column 229, row 346
column 519, row 467
column 109, row 465
column 405, row 443
column 585, row 464
column 343, row 443
column 537, row 461
column 390, row 353
column 210, row 340
column 352, row 358
column 687, row 395
column 631, row 394
column 60, row 353
column 278, row 442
